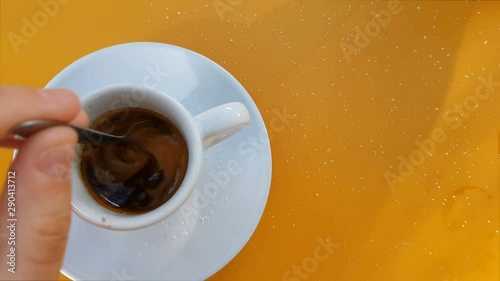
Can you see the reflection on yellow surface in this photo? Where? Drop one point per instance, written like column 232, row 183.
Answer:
column 362, row 108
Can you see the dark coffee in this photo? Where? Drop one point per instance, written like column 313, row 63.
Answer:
column 138, row 174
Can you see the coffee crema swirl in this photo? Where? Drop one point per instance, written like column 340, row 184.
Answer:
column 143, row 171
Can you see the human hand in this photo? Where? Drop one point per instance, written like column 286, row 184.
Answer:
column 42, row 181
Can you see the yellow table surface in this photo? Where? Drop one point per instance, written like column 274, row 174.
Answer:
column 358, row 117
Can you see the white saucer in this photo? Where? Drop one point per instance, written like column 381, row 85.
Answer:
column 199, row 239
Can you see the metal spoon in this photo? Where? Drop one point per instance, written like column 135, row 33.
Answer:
column 85, row 135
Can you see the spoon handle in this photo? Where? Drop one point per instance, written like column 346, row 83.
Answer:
column 85, row 135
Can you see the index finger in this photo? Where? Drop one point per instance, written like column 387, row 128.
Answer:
column 19, row 104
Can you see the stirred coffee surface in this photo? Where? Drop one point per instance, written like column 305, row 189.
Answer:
column 138, row 174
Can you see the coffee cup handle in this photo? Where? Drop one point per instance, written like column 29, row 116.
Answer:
column 221, row 122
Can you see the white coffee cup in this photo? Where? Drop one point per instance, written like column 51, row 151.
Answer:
column 200, row 132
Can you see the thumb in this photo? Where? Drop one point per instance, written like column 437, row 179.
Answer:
column 42, row 205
